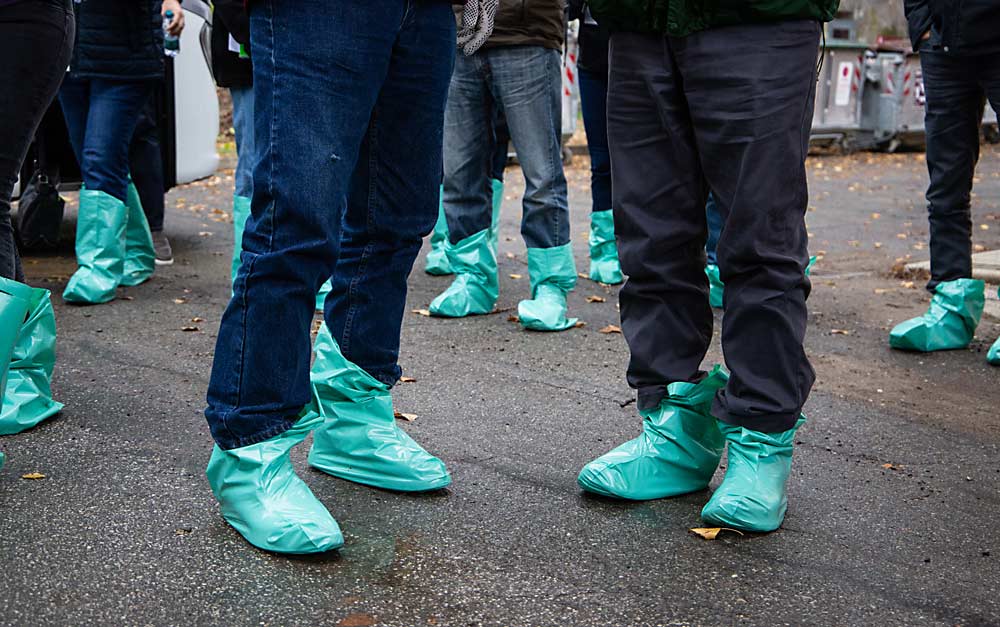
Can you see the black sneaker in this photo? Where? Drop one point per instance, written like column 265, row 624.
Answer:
column 161, row 245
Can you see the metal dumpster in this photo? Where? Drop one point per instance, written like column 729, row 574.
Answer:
column 837, row 117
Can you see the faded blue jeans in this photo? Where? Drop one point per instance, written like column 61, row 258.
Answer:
column 525, row 82
column 349, row 103
column 243, row 128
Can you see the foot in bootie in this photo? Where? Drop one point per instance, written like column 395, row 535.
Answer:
column 553, row 276
column 677, row 452
column 949, row 323
column 260, row 495
column 359, row 439
column 753, row 494
column 476, row 285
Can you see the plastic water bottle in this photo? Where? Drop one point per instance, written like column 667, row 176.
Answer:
column 171, row 43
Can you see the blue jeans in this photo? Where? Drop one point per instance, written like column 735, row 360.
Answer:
column 525, row 82
column 714, row 218
column 349, row 103
column 101, row 116
column 594, row 105
column 243, row 126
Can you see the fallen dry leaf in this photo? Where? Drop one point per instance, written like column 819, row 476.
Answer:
column 596, row 299
column 407, row 417
column 189, row 329
column 126, row 298
column 33, row 475
column 510, row 255
column 512, row 318
column 710, row 533
column 407, row 380
column 611, row 328
column 205, row 233
column 582, row 275
column 180, row 301
column 579, row 324
column 422, row 312
column 892, row 466
column 516, row 276
column 839, row 332
column 356, row 620
column 907, row 284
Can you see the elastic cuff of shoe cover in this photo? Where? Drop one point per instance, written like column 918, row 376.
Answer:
column 227, row 441
column 764, row 423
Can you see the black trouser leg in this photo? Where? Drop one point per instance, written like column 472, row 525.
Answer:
column 659, row 206
column 36, row 39
column 739, row 119
column 146, row 165
column 953, row 113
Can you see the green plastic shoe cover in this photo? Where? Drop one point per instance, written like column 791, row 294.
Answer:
column 28, row 397
column 993, row 356
column 241, row 211
column 437, row 258
column 436, row 262
column 140, row 258
column 476, row 285
column 3, row 458
column 260, row 495
column 949, row 323
column 321, row 295
column 15, row 302
column 715, row 286
column 100, row 249
column 604, row 264
column 753, row 494
column 360, row 440
column 553, row 275
column 677, row 452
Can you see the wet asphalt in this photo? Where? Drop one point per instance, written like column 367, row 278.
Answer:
column 893, row 497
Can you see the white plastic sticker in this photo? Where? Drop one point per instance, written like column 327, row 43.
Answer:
column 234, row 46
column 843, row 95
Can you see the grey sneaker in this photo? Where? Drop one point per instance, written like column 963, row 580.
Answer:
column 161, row 245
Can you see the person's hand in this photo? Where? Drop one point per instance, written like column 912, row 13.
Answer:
column 477, row 24
column 927, row 35
column 176, row 24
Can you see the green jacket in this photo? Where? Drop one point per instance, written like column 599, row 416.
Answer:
column 683, row 17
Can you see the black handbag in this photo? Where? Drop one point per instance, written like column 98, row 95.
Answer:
column 40, row 210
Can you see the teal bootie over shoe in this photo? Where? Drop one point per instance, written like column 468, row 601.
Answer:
column 28, row 397
column 604, row 264
column 437, row 262
column 360, row 440
column 140, row 257
column 715, row 286
column 553, row 275
column 15, row 302
column 949, row 323
column 476, row 285
column 677, row 452
column 241, row 211
column 993, row 356
column 260, row 495
column 753, row 494
column 100, row 249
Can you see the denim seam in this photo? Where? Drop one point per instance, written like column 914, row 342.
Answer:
column 553, row 123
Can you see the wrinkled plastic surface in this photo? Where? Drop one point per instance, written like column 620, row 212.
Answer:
column 476, row 285
column 993, row 355
column 28, row 397
column 949, row 323
column 436, row 262
column 15, row 301
column 360, row 440
column 100, row 249
column 604, row 264
column 553, row 275
column 241, row 211
column 715, row 286
column 260, row 495
column 321, row 294
column 753, row 495
column 437, row 258
column 677, row 452
column 140, row 256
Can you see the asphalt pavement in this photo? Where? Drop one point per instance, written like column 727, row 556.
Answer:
column 893, row 497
